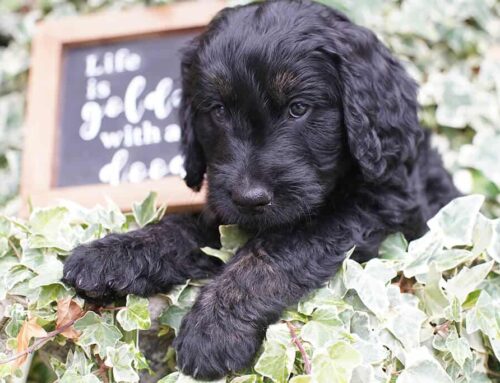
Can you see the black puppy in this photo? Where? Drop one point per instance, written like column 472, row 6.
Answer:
column 307, row 130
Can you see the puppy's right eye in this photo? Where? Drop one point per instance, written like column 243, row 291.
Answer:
column 219, row 113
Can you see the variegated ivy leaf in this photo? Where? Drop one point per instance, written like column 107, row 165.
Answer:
column 467, row 280
column 121, row 359
column 95, row 331
column 146, row 211
column 458, row 346
column 484, row 316
column 276, row 361
column 135, row 316
column 335, row 364
column 420, row 366
column 232, row 238
column 455, row 222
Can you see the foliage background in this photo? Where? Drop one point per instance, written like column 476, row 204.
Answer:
column 452, row 48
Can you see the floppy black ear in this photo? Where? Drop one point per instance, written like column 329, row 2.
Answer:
column 194, row 158
column 380, row 103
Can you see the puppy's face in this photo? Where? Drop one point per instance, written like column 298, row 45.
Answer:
column 268, row 118
column 280, row 100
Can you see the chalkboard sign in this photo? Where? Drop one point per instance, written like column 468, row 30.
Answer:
column 103, row 107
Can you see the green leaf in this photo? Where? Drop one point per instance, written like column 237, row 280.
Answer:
column 276, row 361
column 318, row 298
column 145, row 212
column 232, row 237
column 432, row 296
column 50, row 228
column 420, row 366
column 394, row 247
column 52, row 293
column 279, row 333
column 467, row 280
column 371, row 290
column 135, row 316
column 17, row 314
column 324, row 328
column 454, row 311
column 459, row 347
column 49, row 272
column 300, row 379
column 223, row 255
column 97, row 332
column 455, row 222
column 72, row 377
column 405, row 319
column 248, row 379
column 121, row 359
column 172, row 317
column 484, row 316
column 335, row 364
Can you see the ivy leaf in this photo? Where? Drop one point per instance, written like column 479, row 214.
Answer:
column 300, row 379
column 432, row 295
column 73, row 377
column 17, row 314
column 145, row 212
column 232, row 237
column 223, row 255
column 371, row 290
column 335, row 364
column 467, row 280
column 484, row 316
column 420, row 365
column 404, row 320
column 53, row 293
column 172, row 317
column 459, row 347
column 50, row 228
column 121, row 359
column 279, row 333
column 49, row 272
column 455, row 221
column 276, row 361
column 94, row 331
column 248, row 379
column 324, row 327
column 135, row 316
column 394, row 247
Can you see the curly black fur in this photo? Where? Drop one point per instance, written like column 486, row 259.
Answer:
column 347, row 165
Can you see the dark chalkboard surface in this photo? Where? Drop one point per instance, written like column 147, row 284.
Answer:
column 119, row 111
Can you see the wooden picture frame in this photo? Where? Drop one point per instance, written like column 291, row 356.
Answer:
column 40, row 145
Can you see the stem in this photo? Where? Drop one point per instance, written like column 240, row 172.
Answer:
column 296, row 341
column 40, row 342
column 18, row 254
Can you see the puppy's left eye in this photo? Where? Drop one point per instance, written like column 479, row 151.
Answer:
column 297, row 109
column 219, row 113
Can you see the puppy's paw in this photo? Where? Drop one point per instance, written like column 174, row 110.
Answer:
column 210, row 345
column 102, row 271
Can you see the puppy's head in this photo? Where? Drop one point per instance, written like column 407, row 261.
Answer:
column 287, row 102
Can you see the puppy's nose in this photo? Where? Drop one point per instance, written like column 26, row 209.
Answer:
column 251, row 195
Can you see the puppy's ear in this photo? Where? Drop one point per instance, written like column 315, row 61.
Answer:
column 379, row 100
column 194, row 158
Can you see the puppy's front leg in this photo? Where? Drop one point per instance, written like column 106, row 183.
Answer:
column 145, row 261
column 227, row 323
